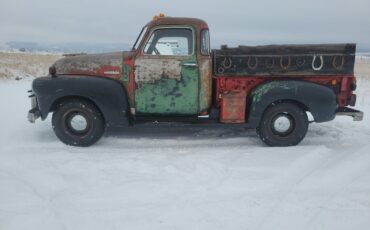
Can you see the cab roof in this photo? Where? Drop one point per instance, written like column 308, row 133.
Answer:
column 163, row 20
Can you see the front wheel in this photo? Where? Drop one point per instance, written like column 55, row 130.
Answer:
column 78, row 122
column 283, row 124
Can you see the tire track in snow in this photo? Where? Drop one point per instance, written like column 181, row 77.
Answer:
column 348, row 177
column 319, row 165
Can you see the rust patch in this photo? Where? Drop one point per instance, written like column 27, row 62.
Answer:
column 205, row 83
column 130, row 84
column 150, row 70
column 106, row 64
column 233, row 106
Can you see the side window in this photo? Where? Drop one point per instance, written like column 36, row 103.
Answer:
column 170, row 41
column 204, row 42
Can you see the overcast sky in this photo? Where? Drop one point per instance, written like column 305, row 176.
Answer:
column 231, row 22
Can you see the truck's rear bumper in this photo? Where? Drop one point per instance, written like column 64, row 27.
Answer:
column 345, row 111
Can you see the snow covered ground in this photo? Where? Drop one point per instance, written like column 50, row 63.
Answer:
column 182, row 177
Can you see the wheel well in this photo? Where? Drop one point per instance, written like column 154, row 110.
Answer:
column 298, row 103
column 71, row 97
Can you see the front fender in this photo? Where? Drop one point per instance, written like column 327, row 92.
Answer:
column 107, row 94
column 318, row 99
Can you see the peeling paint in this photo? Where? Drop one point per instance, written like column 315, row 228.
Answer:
column 205, row 83
column 265, row 88
column 169, row 88
column 233, row 106
column 125, row 72
column 106, row 65
column 153, row 69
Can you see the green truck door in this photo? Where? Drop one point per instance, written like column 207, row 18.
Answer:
column 166, row 76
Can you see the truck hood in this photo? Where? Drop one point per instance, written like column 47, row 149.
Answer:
column 104, row 64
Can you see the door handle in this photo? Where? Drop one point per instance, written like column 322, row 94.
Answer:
column 190, row 64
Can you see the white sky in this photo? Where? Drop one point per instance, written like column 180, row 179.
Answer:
column 231, row 22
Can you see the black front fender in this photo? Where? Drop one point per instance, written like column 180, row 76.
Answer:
column 107, row 94
column 318, row 99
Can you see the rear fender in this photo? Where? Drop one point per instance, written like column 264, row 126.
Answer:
column 317, row 99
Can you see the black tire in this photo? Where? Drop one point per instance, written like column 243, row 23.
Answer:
column 283, row 124
column 83, row 132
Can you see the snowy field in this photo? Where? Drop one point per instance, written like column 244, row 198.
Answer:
column 182, row 177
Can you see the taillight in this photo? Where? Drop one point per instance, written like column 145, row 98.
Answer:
column 335, row 85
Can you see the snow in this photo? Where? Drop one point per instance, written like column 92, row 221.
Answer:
column 179, row 177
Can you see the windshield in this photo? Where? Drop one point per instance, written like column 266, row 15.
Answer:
column 139, row 38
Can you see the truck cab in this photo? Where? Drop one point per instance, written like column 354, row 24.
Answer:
column 171, row 73
column 172, row 68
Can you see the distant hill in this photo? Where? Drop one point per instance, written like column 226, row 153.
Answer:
column 66, row 47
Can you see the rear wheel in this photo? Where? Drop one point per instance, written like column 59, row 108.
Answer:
column 78, row 122
column 283, row 124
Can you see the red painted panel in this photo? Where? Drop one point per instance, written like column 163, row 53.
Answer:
column 230, row 88
column 233, row 107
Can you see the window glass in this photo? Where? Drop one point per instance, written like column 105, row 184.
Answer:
column 204, row 42
column 170, row 41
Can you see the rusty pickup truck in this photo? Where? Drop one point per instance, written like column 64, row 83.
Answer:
column 172, row 74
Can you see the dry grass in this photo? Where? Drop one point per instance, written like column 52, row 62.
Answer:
column 22, row 65
column 362, row 68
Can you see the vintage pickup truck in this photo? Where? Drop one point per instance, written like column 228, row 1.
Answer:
column 171, row 74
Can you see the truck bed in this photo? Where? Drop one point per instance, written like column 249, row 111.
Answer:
column 284, row 60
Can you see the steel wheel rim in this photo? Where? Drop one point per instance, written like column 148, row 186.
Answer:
column 77, row 123
column 282, row 124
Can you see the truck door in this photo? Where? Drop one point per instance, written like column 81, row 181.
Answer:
column 166, row 73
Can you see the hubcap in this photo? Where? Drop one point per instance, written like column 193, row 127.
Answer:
column 282, row 124
column 78, row 123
